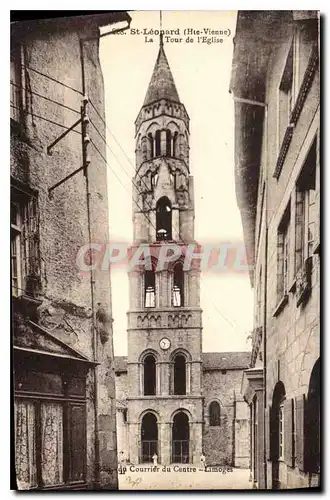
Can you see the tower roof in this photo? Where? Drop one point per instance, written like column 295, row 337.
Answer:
column 161, row 85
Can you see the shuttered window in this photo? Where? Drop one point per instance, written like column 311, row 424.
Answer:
column 300, row 404
column 288, row 412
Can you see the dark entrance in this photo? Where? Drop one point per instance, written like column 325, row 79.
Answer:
column 276, row 435
column 180, row 439
column 149, row 437
column 313, row 420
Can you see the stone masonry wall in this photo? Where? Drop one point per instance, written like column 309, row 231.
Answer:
column 66, row 291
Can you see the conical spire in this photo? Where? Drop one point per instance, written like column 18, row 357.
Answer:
column 162, row 84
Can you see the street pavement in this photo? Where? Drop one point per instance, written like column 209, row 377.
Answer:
column 192, row 478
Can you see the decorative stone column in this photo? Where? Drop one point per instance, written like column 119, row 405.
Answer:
column 196, row 442
column 134, row 433
column 165, row 439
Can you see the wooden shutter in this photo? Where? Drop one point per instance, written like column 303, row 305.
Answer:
column 267, row 431
column 300, row 431
column 77, row 441
column 299, row 239
column 280, row 262
column 289, row 432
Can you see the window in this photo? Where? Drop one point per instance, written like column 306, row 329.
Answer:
column 157, row 143
column 179, row 374
column 305, row 35
column 175, row 145
column 25, row 265
column 168, row 143
column 149, row 286
column 178, row 285
column 214, row 414
column 151, row 146
column 163, row 219
column 283, row 256
column 15, row 84
column 285, row 97
column 306, row 211
column 50, row 430
column 281, row 433
column 149, row 375
column 258, row 318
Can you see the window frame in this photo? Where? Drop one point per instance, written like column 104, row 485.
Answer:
column 281, row 430
column 26, row 235
column 283, row 254
column 16, row 83
column 303, row 205
column 215, row 421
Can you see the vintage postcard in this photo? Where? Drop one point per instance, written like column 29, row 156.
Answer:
column 165, row 250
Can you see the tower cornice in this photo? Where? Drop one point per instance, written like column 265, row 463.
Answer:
column 162, row 107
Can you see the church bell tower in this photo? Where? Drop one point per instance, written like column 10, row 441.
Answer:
column 164, row 399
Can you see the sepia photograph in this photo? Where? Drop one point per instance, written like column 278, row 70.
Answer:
column 165, row 250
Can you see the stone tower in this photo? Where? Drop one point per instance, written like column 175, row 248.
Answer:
column 164, row 398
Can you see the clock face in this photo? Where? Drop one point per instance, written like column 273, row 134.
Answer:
column 165, row 343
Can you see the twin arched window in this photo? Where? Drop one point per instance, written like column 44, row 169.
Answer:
column 150, row 375
column 167, row 148
column 214, row 413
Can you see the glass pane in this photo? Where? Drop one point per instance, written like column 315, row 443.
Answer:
column 25, row 445
column 52, row 444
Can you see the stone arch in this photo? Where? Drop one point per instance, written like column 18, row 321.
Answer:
column 149, row 436
column 163, row 219
column 276, row 436
column 152, row 128
column 313, row 419
column 149, row 372
column 180, row 372
column 180, row 437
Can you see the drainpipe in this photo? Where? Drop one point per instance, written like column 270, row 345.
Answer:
column 265, row 295
column 97, row 482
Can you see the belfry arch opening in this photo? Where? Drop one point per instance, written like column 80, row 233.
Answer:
column 157, row 143
column 151, row 146
column 178, row 285
column 149, row 288
column 163, row 219
column 149, row 437
column 149, row 375
column 180, row 438
column 179, row 375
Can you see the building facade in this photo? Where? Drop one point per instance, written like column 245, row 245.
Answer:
column 64, row 388
column 171, row 403
column 276, row 89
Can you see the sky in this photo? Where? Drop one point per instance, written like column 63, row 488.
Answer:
column 201, row 73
